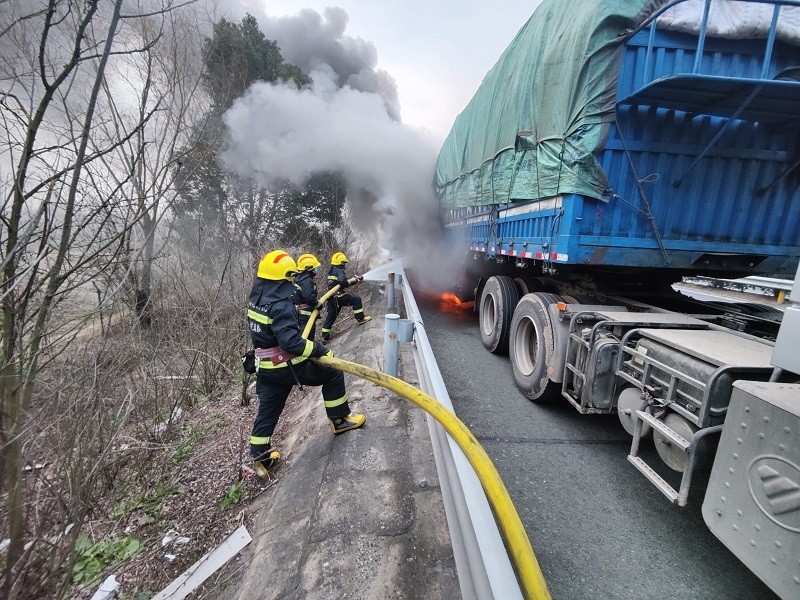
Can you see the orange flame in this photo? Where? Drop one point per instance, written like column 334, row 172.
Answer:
column 451, row 303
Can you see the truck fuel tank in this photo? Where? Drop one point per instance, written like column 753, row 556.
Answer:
column 693, row 371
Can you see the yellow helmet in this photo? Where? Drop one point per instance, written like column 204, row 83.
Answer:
column 306, row 262
column 277, row 265
column 338, row 259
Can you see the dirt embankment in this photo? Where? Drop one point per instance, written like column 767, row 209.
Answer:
column 185, row 493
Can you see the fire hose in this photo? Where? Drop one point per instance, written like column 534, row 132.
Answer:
column 322, row 301
column 529, row 574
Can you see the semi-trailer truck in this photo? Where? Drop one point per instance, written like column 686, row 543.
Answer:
column 616, row 146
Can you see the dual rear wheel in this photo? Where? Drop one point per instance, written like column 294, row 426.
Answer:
column 520, row 327
column 498, row 300
column 532, row 347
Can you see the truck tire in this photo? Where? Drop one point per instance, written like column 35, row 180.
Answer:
column 531, row 347
column 528, row 285
column 498, row 299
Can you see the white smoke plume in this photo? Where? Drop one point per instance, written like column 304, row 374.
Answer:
column 311, row 40
column 348, row 121
column 281, row 132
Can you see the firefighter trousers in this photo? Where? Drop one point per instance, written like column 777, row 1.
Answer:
column 273, row 387
column 335, row 304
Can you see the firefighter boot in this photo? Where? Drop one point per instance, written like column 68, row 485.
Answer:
column 351, row 421
column 263, row 463
column 363, row 320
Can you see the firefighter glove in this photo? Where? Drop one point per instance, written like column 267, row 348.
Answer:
column 249, row 362
column 319, row 350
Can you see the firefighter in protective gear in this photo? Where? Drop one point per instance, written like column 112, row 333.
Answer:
column 306, row 296
column 282, row 359
column 336, row 276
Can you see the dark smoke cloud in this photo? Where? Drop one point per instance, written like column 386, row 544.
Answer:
column 310, row 40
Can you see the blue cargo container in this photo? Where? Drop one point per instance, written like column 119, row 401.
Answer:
column 700, row 155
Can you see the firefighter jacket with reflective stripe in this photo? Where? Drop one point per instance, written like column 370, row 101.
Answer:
column 336, row 276
column 306, row 292
column 272, row 319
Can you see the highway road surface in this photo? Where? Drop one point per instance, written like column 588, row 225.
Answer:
column 599, row 529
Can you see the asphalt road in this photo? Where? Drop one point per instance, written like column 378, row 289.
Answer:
column 599, row 529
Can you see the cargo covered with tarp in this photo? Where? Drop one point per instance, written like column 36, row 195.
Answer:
column 533, row 126
column 538, row 123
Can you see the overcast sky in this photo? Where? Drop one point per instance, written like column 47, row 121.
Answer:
column 438, row 52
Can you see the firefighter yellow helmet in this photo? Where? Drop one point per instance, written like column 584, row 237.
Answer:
column 307, row 262
column 338, row 259
column 277, row 265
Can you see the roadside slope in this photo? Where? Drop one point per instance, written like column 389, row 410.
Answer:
column 357, row 516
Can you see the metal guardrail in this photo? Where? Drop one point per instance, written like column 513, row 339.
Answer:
column 484, row 568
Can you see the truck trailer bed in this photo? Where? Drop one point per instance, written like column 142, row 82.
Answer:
column 694, row 167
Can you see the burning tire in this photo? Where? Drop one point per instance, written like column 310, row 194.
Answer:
column 531, row 347
column 498, row 299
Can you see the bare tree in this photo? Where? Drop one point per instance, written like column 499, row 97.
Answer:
column 166, row 80
column 103, row 119
column 80, row 173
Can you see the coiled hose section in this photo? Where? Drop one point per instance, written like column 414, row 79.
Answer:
column 529, row 574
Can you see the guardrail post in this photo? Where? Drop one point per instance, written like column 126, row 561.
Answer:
column 390, row 292
column 405, row 330
column 390, row 344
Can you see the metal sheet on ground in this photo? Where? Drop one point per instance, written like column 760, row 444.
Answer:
column 598, row 528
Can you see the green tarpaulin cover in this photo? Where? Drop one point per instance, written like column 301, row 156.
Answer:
column 541, row 113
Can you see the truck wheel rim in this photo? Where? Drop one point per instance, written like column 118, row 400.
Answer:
column 526, row 346
column 488, row 314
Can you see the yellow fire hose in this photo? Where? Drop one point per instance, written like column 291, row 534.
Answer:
column 516, row 540
column 315, row 312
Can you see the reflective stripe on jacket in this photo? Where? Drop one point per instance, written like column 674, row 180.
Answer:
column 336, row 276
column 306, row 295
column 273, row 322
